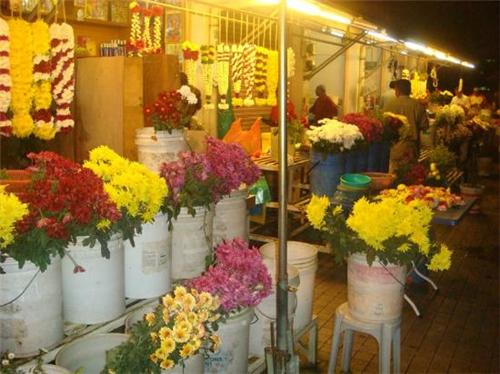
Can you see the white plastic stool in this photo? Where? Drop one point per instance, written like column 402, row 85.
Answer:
column 386, row 333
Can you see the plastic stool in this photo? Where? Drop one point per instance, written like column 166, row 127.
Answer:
column 386, row 334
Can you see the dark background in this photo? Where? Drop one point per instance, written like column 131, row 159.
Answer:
column 468, row 30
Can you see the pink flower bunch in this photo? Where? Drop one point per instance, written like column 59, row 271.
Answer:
column 231, row 165
column 190, row 180
column 238, row 276
column 371, row 128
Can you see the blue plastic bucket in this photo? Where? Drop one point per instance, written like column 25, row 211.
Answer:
column 351, row 162
column 326, row 170
column 385, row 154
column 362, row 161
column 374, row 155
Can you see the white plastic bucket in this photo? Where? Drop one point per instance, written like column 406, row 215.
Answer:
column 147, row 265
column 153, row 149
column 233, row 354
column 265, row 312
column 231, row 217
column 88, row 353
column 374, row 293
column 47, row 369
column 193, row 365
column 191, row 243
column 305, row 258
column 97, row 294
column 138, row 315
column 33, row 321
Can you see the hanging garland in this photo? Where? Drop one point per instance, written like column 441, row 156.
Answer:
column 5, row 79
column 21, row 59
column 222, row 75
column 135, row 42
column 272, row 77
column 62, row 74
column 249, row 55
column 237, row 73
column 157, row 12
column 190, row 52
column 207, row 65
column 146, row 31
column 44, row 125
column 290, row 58
column 261, row 76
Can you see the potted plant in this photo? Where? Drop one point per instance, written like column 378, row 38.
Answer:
column 369, row 153
column 173, row 338
column 168, row 117
column 139, row 193
column 330, row 141
column 379, row 239
column 192, row 187
column 235, row 172
column 239, row 278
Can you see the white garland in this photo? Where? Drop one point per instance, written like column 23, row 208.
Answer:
column 249, row 54
column 237, row 73
column 222, row 73
column 5, row 78
column 62, row 74
column 290, row 57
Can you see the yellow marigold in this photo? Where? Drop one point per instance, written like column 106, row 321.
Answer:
column 184, row 325
column 167, row 364
column 186, row 351
column 45, row 131
column 441, row 260
column 181, row 317
column 166, row 315
column 196, row 344
column 201, row 330
column 192, row 318
column 316, row 210
column 205, row 300
column 153, row 336
column 103, row 224
column 203, row 316
column 180, row 291
column 168, row 301
column 11, row 211
column 22, row 125
column 189, row 302
column 153, row 357
column 181, row 336
column 165, row 333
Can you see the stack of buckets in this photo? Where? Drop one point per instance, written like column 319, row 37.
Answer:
column 302, row 266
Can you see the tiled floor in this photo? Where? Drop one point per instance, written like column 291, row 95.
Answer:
column 459, row 329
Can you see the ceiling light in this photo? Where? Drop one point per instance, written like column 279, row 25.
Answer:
column 381, row 36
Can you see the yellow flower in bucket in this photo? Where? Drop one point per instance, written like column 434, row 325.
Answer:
column 316, row 211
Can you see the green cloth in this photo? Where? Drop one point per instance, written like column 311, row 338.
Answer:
column 260, row 190
column 225, row 117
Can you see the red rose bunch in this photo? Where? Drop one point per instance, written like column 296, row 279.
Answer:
column 170, row 111
column 371, row 128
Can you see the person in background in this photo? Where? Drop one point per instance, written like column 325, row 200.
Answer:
column 323, row 106
column 183, row 80
column 461, row 100
column 415, row 112
column 387, row 95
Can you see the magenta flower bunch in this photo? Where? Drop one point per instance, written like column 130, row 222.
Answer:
column 231, row 165
column 191, row 183
column 238, row 276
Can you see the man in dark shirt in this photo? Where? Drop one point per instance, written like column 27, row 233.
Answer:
column 323, row 106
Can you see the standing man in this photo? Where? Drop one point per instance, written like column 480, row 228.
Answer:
column 323, row 106
column 416, row 115
column 461, row 100
column 387, row 95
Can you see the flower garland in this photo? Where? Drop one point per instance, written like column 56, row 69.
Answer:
column 157, row 13
column 146, row 31
column 5, row 79
column 21, row 59
column 236, row 73
column 249, row 55
column 135, row 43
column 272, row 77
column 63, row 73
column 261, row 75
column 222, row 77
column 290, row 57
column 207, row 65
column 44, row 124
column 190, row 52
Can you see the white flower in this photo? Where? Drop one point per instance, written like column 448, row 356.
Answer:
column 5, row 362
column 192, row 99
column 11, row 356
column 342, row 134
column 184, row 91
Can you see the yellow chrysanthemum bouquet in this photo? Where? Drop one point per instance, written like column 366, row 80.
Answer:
column 11, row 211
column 387, row 229
column 181, row 327
column 138, row 192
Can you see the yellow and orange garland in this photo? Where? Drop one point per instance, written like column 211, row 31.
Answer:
column 21, row 59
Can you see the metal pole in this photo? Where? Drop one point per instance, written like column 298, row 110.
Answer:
column 282, row 286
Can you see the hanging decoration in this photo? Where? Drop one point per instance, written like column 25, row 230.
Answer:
column 136, row 42
column 261, row 75
column 62, row 74
column 249, row 55
column 290, row 58
column 43, row 121
column 207, row 65
column 272, row 77
column 5, row 79
column 146, row 30
column 21, row 60
column 157, row 13
column 190, row 52
column 434, row 77
column 222, row 75
column 236, row 73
